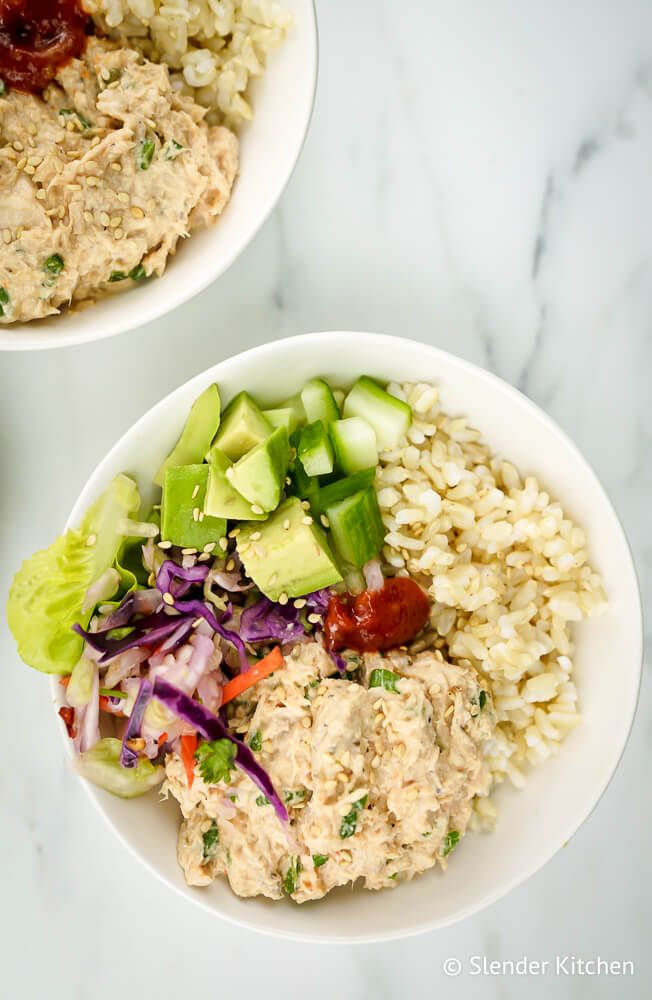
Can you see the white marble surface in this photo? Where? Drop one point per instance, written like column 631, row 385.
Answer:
column 478, row 175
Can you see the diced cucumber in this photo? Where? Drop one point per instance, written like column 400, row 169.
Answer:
column 260, row 474
column 222, row 499
column 342, row 488
column 356, row 527
column 319, row 402
column 197, row 434
column 355, row 446
column 284, row 416
column 338, row 396
column 294, row 403
column 390, row 417
column 304, row 486
column 243, row 427
column 315, row 449
column 182, row 519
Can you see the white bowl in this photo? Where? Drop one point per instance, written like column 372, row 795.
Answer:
column 269, row 149
column 559, row 795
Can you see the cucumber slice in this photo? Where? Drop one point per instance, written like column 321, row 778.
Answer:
column 356, row 526
column 319, row 402
column 243, row 427
column 355, row 446
column 260, row 474
column 184, row 493
column 197, row 434
column 343, row 488
column 390, row 417
column 284, row 416
column 315, row 449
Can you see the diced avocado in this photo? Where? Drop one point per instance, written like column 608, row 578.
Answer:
column 243, row 427
column 355, row 446
column 222, row 499
column 294, row 403
column 282, row 417
column 197, row 434
column 182, row 519
column 304, row 486
column 291, row 556
column 356, row 526
column 390, row 417
column 342, row 488
column 260, row 474
column 315, row 449
column 318, row 401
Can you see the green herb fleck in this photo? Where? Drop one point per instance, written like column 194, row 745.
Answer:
column 256, row 741
column 54, row 264
column 350, row 821
column 211, row 841
column 112, row 693
column 111, row 77
column 319, row 859
column 138, row 273
column 117, row 276
column 216, row 760
column 262, row 800
column 145, row 154
column 172, row 150
column 381, row 678
column 291, row 880
column 67, row 112
column 450, row 841
column 295, row 796
column 482, row 699
column 394, row 876
column 3, row 88
column 4, row 294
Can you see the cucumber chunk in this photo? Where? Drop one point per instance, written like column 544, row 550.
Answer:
column 243, row 427
column 355, row 445
column 319, row 402
column 197, row 434
column 222, row 499
column 315, row 449
column 356, row 526
column 260, row 474
column 390, row 417
column 343, row 488
column 284, row 416
column 182, row 519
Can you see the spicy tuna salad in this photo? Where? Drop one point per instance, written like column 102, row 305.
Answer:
column 341, row 624
column 107, row 160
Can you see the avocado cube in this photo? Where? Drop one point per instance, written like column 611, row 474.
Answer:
column 357, row 528
column 291, row 556
column 222, row 499
column 197, row 434
column 182, row 519
column 260, row 474
column 243, row 427
column 283, row 416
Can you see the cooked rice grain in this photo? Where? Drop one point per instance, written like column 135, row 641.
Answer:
column 213, row 47
column 506, row 570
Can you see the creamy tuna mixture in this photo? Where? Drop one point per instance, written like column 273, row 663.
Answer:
column 379, row 784
column 99, row 178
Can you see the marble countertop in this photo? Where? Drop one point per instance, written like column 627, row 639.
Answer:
column 477, row 176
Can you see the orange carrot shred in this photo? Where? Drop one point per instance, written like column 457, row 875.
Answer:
column 273, row 661
column 188, row 747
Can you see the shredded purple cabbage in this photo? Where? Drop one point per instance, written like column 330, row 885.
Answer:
column 147, row 631
column 212, row 728
column 338, row 660
column 265, row 621
column 170, row 572
column 128, row 757
column 136, row 602
column 199, row 609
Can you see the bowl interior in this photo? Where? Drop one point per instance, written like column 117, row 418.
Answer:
column 269, row 148
column 534, row 822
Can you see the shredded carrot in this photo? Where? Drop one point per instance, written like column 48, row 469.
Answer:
column 273, row 661
column 188, row 747
column 65, row 680
column 162, row 738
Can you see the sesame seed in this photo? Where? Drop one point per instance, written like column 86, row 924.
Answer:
column 168, row 598
column 18, row 146
column 300, row 603
column 324, row 520
column 203, row 557
column 6, row 235
column 306, row 723
column 209, row 546
column 230, row 566
column 117, row 167
column 286, row 524
column 150, row 122
column 52, row 211
column 197, row 622
column 229, row 473
column 234, row 533
column 223, row 544
column 95, row 141
column 115, row 221
column 40, row 195
column 32, row 129
column 255, row 536
column 70, row 126
column 165, row 545
column 305, row 504
column 188, row 552
column 195, row 492
column 123, row 197
column 137, row 212
column 35, row 161
column 306, row 520
column 22, row 163
column 201, row 515
column 91, row 540
column 195, row 514
column 118, row 233
column 288, row 481
column 30, row 170
column 314, row 619
column 256, row 509
column 283, row 598
column 92, row 181
column 104, row 218
column 19, row 232
column 61, row 212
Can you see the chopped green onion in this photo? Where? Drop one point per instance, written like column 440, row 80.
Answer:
column 319, row 859
column 112, row 693
column 384, row 678
column 291, row 880
column 211, row 840
column 67, row 112
column 111, row 77
column 117, row 276
column 138, row 273
column 54, row 264
column 172, row 150
column 295, row 796
column 482, row 699
column 350, row 821
column 262, row 800
column 450, row 841
column 145, row 154
column 4, row 294
column 256, row 741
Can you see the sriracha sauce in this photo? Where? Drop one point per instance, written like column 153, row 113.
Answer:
column 37, row 37
column 377, row 619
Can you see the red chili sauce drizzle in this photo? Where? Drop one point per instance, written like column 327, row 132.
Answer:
column 377, row 619
column 37, row 38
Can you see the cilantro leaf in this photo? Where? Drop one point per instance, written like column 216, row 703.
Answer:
column 450, row 841
column 350, row 821
column 319, row 859
column 216, row 760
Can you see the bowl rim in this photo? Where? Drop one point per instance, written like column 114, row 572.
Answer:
column 179, row 292
column 376, row 341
